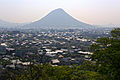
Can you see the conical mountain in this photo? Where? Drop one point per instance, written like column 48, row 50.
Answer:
column 58, row 19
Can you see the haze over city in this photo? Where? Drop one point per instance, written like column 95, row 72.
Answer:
column 59, row 39
column 89, row 11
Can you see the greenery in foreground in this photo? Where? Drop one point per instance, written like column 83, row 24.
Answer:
column 105, row 64
column 107, row 55
column 48, row 72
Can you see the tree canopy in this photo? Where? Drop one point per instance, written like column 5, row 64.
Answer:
column 107, row 55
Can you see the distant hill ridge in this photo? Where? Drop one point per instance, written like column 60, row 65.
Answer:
column 5, row 24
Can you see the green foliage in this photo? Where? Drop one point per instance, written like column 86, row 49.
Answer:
column 8, row 74
column 107, row 55
column 116, row 32
column 4, row 62
column 48, row 72
column 88, row 66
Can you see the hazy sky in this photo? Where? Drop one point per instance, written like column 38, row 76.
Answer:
column 89, row 11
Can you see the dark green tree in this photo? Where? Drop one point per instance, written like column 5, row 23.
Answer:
column 107, row 55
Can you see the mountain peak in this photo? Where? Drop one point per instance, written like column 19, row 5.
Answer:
column 58, row 9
